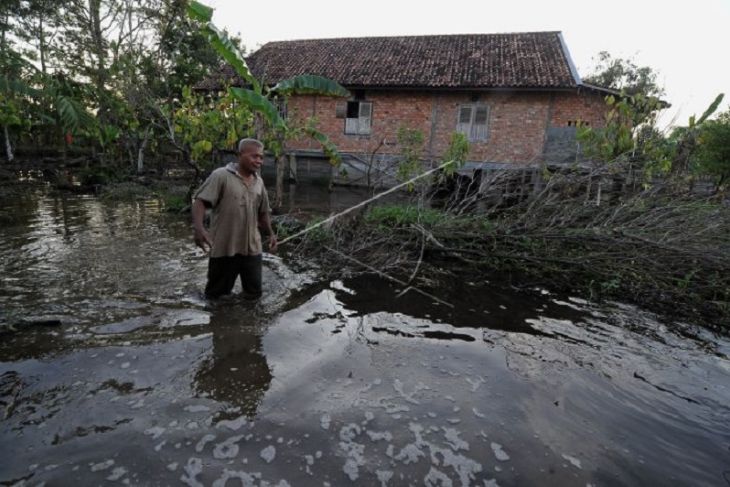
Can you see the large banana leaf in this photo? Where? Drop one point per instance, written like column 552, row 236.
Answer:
column 222, row 43
column 711, row 109
column 228, row 51
column 328, row 147
column 260, row 103
column 200, row 12
column 308, row 84
column 72, row 114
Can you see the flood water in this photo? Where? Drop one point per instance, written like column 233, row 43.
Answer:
column 114, row 369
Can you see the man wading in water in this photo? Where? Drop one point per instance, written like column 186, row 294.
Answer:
column 240, row 206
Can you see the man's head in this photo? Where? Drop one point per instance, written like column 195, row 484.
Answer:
column 250, row 155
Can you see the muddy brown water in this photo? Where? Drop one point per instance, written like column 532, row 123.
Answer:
column 113, row 369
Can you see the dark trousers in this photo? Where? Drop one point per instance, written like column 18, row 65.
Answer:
column 223, row 271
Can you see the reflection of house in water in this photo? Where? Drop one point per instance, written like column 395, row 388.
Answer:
column 237, row 372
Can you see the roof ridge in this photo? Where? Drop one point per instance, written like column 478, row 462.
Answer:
column 415, row 36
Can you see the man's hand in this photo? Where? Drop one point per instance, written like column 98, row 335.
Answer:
column 202, row 239
column 273, row 243
column 200, row 234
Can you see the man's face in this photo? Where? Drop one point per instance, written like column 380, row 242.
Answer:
column 250, row 159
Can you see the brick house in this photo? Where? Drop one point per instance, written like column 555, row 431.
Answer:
column 517, row 97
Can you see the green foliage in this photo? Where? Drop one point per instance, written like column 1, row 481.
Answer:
column 713, row 153
column 254, row 98
column 624, row 75
column 625, row 119
column 410, row 142
column 261, row 104
column 203, row 123
column 457, row 152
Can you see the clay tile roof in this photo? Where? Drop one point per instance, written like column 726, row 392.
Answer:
column 518, row 60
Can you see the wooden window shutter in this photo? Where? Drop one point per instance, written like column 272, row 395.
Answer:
column 479, row 128
column 463, row 124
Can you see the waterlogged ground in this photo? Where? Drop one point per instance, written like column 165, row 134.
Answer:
column 113, row 369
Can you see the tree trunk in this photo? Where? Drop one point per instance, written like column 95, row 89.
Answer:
column 8, row 147
column 140, row 152
column 41, row 44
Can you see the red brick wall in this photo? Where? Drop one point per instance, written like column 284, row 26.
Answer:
column 585, row 107
column 516, row 130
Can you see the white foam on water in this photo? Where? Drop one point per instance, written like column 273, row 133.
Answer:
column 491, row 483
column 410, row 453
column 309, row 459
column 97, row 467
column 138, row 405
column 196, row 408
column 117, row 474
column 268, row 453
column 436, row 478
column 574, row 461
column 499, row 453
column 193, row 468
column 159, row 446
column 155, row 431
column 325, row 421
column 475, row 383
column 465, row 467
column 172, row 466
column 477, row 413
column 247, row 480
column 380, row 435
column 125, row 365
column 355, row 451
column 201, row 444
column 192, row 425
column 228, row 448
column 233, row 424
column 452, row 439
column 384, row 476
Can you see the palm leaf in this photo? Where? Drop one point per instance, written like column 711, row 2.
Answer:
column 308, row 84
column 261, row 104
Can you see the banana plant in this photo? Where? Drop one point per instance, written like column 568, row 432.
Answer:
column 259, row 97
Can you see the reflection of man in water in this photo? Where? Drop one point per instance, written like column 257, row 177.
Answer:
column 240, row 206
column 237, row 371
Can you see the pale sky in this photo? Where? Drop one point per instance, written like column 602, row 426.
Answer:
column 685, row 42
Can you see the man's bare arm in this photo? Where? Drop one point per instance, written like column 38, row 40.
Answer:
column 265, row 226
column 200, row 234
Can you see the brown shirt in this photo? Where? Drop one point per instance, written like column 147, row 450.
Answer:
column 236, row 209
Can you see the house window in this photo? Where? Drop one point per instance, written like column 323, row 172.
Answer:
column 280, row 104
column 473, row 121
column 358, row 117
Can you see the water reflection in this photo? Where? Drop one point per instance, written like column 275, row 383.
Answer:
column 236, row 372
